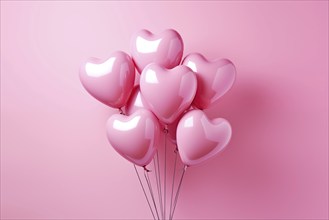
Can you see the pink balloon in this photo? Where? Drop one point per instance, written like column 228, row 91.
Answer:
column 199, row 139
column 165, row 49
column 215, row 78
column 135, row 102
column 168, row 92
column 134, row 137
column 110, row 81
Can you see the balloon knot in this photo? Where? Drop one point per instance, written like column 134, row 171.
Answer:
column 121, row 112
column 146, row 170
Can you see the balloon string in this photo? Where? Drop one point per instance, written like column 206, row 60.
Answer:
column 160, row 181
column 173, row 183
column 165, row 169
column 148, row 202
column 178, row 190
column 147, row 178
column 158, row 186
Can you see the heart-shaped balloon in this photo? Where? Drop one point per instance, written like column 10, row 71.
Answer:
column 168, row 92
column 165, row 49
column 199, row 139
column 135, row 102
column 215, row 78
column 110, row 81
column 134, row 137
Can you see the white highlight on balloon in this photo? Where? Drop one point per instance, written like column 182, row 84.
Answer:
column 98, row 70
column 151, row 77
column 192, row 66
column 188, row 122
column 147, row 46
column 138, row 101
column 126, row 126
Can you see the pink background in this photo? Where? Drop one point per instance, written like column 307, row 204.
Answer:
column 57, row 163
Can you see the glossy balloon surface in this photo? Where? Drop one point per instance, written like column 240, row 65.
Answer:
column 134, row 137
column 199, row 139
column 168, row 92
column 165, row 48
column 215, row 78
column 110, row 81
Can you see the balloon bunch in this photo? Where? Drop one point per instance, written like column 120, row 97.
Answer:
column 170, row 98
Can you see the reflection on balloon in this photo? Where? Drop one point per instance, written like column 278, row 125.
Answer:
column 147, row 46
column 99, row 69
column 126, row 125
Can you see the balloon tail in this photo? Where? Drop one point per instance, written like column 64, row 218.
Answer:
column 147, row 178
column 178, row 190
column 173, row 183
column 148, row 202
column 157, row 176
